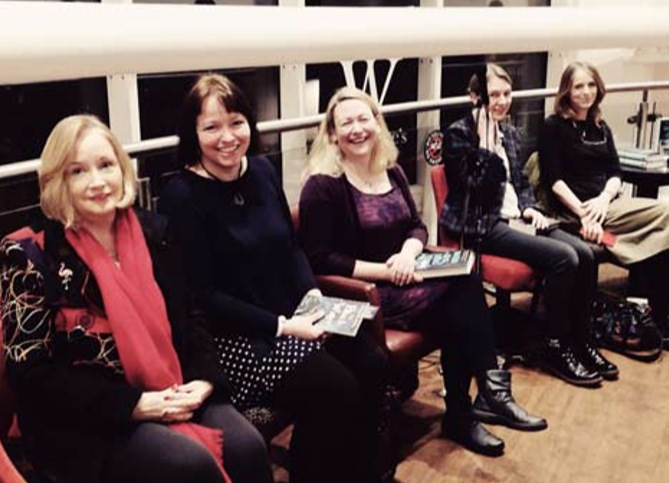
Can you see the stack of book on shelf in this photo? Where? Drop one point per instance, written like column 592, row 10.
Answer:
column 646, row 159
column 340, row 316
column 445, row 264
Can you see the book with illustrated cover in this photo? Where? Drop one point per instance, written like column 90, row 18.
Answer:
column 341, row 316
column 445, row 264
column 526, row 227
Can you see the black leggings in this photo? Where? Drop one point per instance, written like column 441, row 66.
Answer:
column 152, row 452
column 324, row 396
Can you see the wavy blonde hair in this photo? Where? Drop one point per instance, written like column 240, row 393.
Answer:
column 59, row 150
column 562, row 105
column 325, row 156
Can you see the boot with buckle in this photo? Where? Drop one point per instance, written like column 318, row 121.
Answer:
column 471, row 434
column 494, row 404
column 558, row 358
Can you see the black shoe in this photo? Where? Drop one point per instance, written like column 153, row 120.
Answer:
column 472, row 435
column 558, row 358
column 494, row 404
column 592, row 359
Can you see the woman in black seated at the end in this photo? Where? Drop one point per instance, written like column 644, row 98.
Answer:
column 243, row 264
column 103, row 394
column 580, row 167
column 566, row 261
column 358, row 219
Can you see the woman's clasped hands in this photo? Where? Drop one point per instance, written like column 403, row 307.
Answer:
column 172, row 405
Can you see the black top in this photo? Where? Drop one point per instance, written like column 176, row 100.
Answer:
column 242, row 260
column 580, row 153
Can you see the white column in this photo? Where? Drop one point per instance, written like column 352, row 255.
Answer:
column 293, row 143
column 429, row 87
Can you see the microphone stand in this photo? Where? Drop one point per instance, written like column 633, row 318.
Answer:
column 473, row 181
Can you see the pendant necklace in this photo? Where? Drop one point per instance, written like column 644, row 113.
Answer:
column 237, row 198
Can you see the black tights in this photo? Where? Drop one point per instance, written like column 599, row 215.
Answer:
column 152, row 452
column 324, row 397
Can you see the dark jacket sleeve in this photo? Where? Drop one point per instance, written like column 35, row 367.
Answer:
column 324, row 216
column 190, row 227
column 191, row 333
column 458, row 143
column 613, row 168
column 38, row 370
column 519, row 179
column 550, row 155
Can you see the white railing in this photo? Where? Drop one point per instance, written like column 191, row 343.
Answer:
column 283, row 125
column 41, row 41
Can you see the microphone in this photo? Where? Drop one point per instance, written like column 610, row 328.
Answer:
column 480, row 73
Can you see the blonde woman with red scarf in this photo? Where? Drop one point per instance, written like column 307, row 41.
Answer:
column 97, row 334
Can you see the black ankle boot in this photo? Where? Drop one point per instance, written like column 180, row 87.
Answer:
column 559, row 359
column 471, row 434
column 495, row 405
column 592, row 359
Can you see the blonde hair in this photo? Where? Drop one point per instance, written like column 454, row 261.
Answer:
column 562, row 105
column 59, row 150
column 492, row 71
column 325, row 156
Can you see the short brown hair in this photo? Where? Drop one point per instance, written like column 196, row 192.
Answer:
column 492, row 70
column 228, row 94
column 59, row 150
column 562, row 106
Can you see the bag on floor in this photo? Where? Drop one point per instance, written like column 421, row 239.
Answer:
column 626, row 326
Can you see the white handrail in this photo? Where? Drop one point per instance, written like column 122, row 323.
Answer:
column 42, row 41
column 282, row 125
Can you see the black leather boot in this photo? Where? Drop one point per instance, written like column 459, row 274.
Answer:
column 559, row 359
column 592, row 359
column 495, row 405
column 471, row 434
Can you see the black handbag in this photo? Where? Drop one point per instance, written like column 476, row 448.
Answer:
column 627, row 326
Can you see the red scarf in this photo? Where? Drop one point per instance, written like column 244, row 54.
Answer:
column 138, row 317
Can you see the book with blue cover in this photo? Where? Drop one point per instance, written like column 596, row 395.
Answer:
column 445, row 264
column 340, row 316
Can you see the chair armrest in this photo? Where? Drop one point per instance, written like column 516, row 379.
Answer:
column 354, row 289
column 9, row 473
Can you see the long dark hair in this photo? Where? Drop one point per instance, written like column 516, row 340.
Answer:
column 228, row 94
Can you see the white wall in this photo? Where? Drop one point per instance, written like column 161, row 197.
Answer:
column 616, row 66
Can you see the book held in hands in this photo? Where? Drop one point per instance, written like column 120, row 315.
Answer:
column 341, row 316
column 445, row 264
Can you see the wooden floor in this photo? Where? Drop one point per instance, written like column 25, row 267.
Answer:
column 618, row 433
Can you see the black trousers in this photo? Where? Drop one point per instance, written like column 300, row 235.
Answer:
column 328, row 438
column 460, row 322
column 152, row 452
column 568, row 265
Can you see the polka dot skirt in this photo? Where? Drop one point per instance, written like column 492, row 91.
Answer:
column 254, row 378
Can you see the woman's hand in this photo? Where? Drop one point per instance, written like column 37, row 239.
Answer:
column 591, row 231
column 199, row 390
column 401, row 269
column 487, row 130
column 167, row 406
column 302, row 326
column 536, row 218
column 595, row 209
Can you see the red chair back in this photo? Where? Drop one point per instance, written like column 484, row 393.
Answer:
column 439, row 186
column 8, row 473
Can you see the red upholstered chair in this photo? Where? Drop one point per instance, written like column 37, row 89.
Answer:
column 505, row 274
column 8, row 473
column 404, row 348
